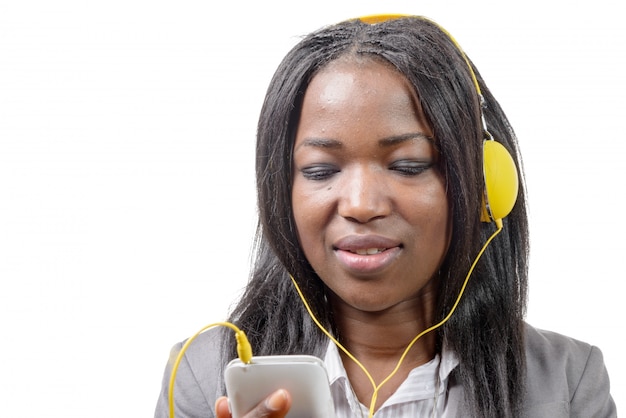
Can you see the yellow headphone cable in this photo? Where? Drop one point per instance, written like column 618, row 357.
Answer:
column 244, row 350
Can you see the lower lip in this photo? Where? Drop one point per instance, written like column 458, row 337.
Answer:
column 367, row 264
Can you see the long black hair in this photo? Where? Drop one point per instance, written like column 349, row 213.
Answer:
column 486, row 331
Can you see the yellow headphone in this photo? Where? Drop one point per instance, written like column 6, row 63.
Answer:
column 499, row 170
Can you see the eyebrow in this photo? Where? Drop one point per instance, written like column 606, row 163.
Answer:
column 398, row 139
column 330, row 143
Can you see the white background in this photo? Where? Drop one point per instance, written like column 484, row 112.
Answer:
column 126, row 175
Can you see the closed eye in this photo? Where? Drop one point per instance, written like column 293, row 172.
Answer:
column 410, row 167
column 319, row 171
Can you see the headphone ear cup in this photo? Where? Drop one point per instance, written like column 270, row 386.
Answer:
column 501, row 181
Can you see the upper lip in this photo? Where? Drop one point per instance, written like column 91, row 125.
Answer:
column 362, row 242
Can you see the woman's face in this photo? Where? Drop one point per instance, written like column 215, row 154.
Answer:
column 369, row 200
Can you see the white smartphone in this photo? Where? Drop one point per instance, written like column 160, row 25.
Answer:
column 303, row 376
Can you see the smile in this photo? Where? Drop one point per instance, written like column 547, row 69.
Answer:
column 366, row 261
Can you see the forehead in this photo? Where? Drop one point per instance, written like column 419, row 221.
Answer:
column 362, row 94
column 370, row 77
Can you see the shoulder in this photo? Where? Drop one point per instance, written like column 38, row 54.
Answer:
column 198, row 376
column 204, row 352
column 548, row 351
column 565, row 376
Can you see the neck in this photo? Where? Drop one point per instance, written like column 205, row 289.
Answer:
column 386, row 335
column 379, row 339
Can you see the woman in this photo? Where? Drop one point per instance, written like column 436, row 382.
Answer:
column 371, row 186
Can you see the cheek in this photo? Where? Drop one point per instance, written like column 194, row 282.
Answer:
column 441, row 221
column 429, row 214
column 309, row 215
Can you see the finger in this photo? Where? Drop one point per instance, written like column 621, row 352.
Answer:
column 221, row 408
column 275, row 406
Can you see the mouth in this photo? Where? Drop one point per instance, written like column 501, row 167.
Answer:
column 369, row 251
column 367, row 254
column 370, row 260
column 366, row 244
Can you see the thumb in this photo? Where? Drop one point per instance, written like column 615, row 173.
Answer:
column 278, row 401
column 221, row 408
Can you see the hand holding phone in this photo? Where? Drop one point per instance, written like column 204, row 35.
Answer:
column 304, row 377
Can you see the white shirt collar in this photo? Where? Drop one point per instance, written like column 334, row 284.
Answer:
column 418, row 386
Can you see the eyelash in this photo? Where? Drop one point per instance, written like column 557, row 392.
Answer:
column 406, row 168
column 411, row 168
column 319, row 172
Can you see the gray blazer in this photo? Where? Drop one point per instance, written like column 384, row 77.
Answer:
column 565, row 378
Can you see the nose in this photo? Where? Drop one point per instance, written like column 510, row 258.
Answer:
column 364, row 195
